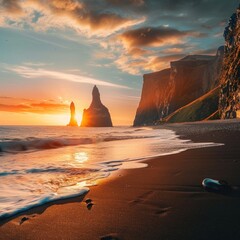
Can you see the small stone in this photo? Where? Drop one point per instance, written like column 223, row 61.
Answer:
column 23, row 220
column 88, row 200
column 89, row 206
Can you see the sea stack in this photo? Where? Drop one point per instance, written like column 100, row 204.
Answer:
column 97, row 115
column 73, row 121
column 229, row 103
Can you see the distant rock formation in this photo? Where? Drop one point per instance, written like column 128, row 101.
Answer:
column 97, row 115
column 73, row 121
column 166, row 91
column 229, row 102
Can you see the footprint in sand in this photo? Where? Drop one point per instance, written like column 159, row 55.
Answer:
column 89, row 203
column 163, row 211
column 112, row 236
column 141, row 198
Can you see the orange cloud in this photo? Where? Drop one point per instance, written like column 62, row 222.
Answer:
column 155, row 37
column 138, row 52
column 157, row 63
column 65, row 14
column 143, row 48
column 11, row 6
column 145, row 63
column 31, row 106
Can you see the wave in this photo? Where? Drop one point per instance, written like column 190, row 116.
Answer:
column 34, row 144
column 40, row 144
column 28, row 204
column 72, row 171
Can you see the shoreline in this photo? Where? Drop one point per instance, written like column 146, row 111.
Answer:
column 171, row 182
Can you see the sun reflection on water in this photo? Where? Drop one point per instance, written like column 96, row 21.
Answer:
column 81, row 157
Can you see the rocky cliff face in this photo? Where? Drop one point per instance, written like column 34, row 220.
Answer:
column 97, row 115
column 73, row 121
column 203, row 108
column 229, row 102
column 156, row 94
column 166, row 91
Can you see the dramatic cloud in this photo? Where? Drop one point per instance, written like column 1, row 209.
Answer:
column 80, row 16
column 136, row 35
column 28, row 72
column 155, row 37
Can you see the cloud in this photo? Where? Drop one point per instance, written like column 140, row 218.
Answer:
column 142, row 32
column 60, row 14
column 160, row 62
column 29, row 72
column 31, row 106
column 103, row 55
column 155, row 36
column 11, row 6
column 105, row 24
column 173, row 50
column 147, row 63
column 151, row 48
column 138, row 52
column 126, row 3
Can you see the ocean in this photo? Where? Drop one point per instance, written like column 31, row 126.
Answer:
column 41, row 164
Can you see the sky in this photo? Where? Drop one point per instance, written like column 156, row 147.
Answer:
column 53, row 52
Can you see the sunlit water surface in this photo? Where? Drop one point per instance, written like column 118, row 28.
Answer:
column 43, row 164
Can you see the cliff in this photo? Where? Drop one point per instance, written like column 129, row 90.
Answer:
column 166, row 91
column 73, row 121
column 203, row 108
column 229, row 100
column 97, row 115
column 156, row 95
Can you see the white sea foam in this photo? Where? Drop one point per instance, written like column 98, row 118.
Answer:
column 44, row 164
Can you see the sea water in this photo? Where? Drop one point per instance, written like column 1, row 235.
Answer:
column 44, row 164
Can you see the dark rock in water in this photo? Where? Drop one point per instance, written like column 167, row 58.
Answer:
column 97, row 115
column 73, row 121
column 229, row 103
column 166, row 91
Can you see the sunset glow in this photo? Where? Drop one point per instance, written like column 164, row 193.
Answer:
column 54, row 52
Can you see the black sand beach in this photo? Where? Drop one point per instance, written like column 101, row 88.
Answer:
column 163, row 201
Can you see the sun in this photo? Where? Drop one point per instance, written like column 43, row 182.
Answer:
column 63, row 119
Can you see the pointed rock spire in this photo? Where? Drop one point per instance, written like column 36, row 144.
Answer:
column 73, row 121
column 97, row 115
column 96, row 101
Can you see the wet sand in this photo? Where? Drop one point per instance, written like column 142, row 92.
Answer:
column 163, row 201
